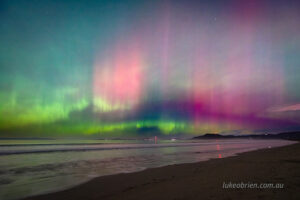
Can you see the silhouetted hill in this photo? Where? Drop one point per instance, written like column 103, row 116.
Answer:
column 290, row 136
column 286, row 136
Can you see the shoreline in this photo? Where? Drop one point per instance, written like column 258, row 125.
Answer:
column 199, row 180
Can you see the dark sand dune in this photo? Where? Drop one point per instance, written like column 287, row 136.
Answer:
column 203, row 180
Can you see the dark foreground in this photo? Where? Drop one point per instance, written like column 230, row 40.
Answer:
column 203, row 180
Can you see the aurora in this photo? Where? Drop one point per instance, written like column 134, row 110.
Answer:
column 130, row 68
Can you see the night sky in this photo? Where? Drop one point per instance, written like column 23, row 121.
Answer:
column 130, row 68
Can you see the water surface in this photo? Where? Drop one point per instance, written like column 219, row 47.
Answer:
column 34, row 167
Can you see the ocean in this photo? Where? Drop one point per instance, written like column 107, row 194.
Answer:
column 32, row 167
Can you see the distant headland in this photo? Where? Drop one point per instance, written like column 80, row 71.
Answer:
column 285, row 135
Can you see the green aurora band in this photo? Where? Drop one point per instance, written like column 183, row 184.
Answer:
column 135, row 68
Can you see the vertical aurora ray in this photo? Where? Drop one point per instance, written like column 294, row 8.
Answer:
column 118, row 76
column 173, row 67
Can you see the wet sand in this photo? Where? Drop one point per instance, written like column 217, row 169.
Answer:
column 203, row 180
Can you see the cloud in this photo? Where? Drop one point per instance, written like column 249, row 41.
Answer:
column 294, row 107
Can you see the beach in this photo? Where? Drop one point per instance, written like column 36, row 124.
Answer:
column 203, row 180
